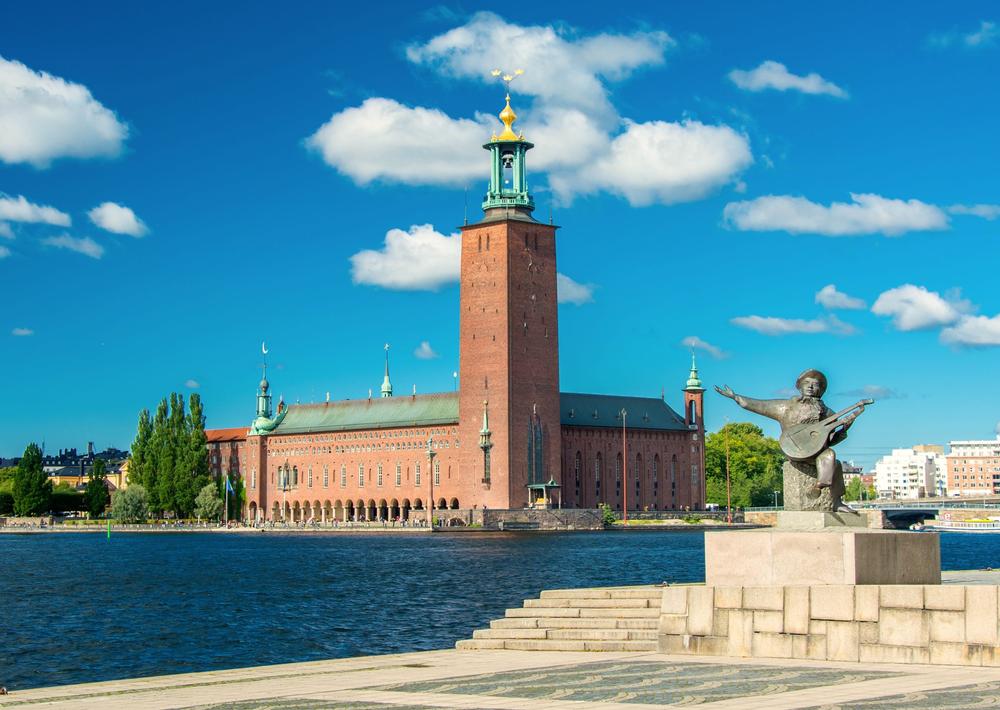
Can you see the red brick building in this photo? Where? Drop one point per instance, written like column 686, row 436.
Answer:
column 508, row 439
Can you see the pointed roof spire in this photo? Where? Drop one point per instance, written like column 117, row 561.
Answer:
column 694, row 382
column 386, row 385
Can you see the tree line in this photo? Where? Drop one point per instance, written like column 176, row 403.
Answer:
column 170, row 457
column 25, row 489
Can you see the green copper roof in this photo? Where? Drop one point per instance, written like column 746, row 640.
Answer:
column 602, row 410
column 694, row 382
column 378, row 413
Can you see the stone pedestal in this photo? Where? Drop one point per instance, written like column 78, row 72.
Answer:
column 839, row 555
column 820, row 520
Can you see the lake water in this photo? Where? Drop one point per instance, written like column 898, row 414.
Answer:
column 78, row 607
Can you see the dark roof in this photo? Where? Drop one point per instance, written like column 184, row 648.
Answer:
column 603, row 410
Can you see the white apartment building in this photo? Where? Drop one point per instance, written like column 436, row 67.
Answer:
column 974, row 467
column 917, row 472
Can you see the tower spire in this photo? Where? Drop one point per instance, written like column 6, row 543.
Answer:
column 386, row 385
column 694, row 382
column 508, row 179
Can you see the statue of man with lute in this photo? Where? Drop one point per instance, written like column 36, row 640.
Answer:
column 809, row 431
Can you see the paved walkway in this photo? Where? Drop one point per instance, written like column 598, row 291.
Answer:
column 509, row 680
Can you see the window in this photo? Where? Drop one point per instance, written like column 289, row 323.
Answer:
column 399, row 475
column 597, row 476
column 295, row 477
column 343, row 476
column 310, row 484
column 253, row 478
column 361, row 475
column 326, row 476
column 416, row 475
column 379, row 474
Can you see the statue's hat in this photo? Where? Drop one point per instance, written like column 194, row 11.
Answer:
column 816, row 375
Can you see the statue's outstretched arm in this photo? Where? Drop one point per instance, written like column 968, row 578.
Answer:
column 771, row 408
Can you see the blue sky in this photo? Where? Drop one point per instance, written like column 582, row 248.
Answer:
column 790, row 186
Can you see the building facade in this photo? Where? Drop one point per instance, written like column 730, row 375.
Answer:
column 508, row 439
column 909, row 473
column 974, row 467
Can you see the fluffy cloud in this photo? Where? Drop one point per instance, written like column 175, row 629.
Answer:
column 768, row 325
column 866, row 214
column 192, row 384
column 22, row 332
column 569, row 291
column 18, row 209
column 696, row 343
column 915, row 308
column 989, row 212
column 5, row 231
column 662, row 162
column 424, row 351
column 775, row 75
column 563, row 69
column 973, row 331
column 984, row 36
column 44, row 117
column 384, row 140
column 81, row 245
column 874, row 392
column 829, row 297
column 416, row 260
column 583, row 144
column 117, row 218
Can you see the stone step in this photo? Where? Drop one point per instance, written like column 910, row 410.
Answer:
column 479, row 644
column 510, row 633
column 563, row 612
column 598, row 634
column 646, row 613
column 605, row 593
column 567, row 645
column 616, row 603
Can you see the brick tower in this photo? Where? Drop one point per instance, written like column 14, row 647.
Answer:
column 509, row 335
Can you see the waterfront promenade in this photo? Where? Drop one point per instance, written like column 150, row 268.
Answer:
column 540, row 680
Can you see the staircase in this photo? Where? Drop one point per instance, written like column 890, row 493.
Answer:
column 599, row 619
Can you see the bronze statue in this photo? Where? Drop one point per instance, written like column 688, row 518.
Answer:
column 809, row 430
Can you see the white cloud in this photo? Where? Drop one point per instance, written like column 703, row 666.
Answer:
column 384, row 140
column 5, row 231
column 769, row 325
column 775, row 75
column 874, row 392
column 696, row 343
column 829, row 297
column 989, row 212
column 119, row 219
column 984, row 36
column 424, row 351
column 18, row 209
column 44, row 117
column 82, row 245
column 570, row 291
column 866, row 214
column 420, row 259
column 662, row 162
column 915, row 308
column 4, row 252
column 22, row 332
column 562, row 68
column 973, row 331
column 192, row 384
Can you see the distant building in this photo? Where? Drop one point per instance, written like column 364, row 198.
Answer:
column 909, row 473
column 76, row 476
column 974, row 467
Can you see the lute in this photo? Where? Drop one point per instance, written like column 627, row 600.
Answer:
column 804, row 441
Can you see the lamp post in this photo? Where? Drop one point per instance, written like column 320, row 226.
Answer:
column 775, row 499
column 624, row 471
column 430, row 477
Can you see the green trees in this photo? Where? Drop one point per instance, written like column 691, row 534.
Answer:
column 855, row 490
column 96, row 495
column 32, row 489
column 169, row 458
column 755, row 464
column 208, row 505
column 130, row 505
column 7, row 490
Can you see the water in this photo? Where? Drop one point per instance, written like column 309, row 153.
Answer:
column 78, row 608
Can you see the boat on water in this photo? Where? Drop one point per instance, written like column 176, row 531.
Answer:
column 973, row 525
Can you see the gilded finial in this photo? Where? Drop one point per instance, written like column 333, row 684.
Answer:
column 507, row 115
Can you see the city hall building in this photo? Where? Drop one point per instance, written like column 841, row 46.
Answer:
column 507, row 439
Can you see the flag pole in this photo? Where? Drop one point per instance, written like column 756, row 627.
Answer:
column 225, row 508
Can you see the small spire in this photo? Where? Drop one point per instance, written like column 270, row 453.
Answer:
column 693, row 383
column 486, row 418
column 386, row 385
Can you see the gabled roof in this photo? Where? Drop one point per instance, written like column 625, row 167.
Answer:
column 603, row 410
column 231, row 434
column 376, row 413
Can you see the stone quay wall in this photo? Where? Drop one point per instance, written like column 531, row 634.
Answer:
column 948, row 625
